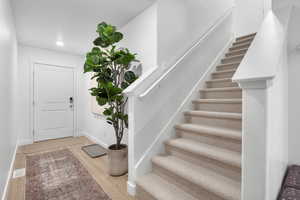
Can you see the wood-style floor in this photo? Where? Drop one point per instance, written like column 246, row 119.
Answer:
column 115, row 187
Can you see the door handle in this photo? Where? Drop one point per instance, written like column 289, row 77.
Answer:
column 71, row 100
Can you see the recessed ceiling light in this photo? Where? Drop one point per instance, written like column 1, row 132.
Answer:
column 60, row 43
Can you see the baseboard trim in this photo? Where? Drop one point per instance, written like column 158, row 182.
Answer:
column 94, row 139
column 10, row 172
column 24, row 142
column 131, row 188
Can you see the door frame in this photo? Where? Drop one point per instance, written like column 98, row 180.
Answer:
column 32, row 95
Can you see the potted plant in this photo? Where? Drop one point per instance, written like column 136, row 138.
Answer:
column 110, row 67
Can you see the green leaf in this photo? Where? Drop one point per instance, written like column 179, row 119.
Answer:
column 100, row 27
column 118, row 98
column 96, row 50
column 108, row 111
column 95, row 59
column 101, row 101
column 104, row 75
column 124, row 85
column 87, row 68
column 101, row 42
column 108, row 30
column 117, row 37
column 125, row 58
column 130, row 77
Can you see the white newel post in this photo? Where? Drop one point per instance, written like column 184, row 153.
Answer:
column 131, row 158
column 254, row 139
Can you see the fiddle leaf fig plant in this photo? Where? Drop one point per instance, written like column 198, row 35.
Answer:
column 110, row 65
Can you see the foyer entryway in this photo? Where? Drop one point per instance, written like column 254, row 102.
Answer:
column 53, row 102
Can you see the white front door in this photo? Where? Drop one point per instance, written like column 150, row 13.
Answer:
column 53, row 102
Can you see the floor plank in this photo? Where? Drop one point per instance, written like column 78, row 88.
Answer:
column 16, row 189
column 115, row 187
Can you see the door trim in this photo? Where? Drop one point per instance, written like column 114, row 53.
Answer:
column 31, row 96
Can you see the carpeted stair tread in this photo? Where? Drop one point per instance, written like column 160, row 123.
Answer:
column 224, row 71
column 211, row 181
column 240, row 46
column 234, row 57
column 161, row 189
column 237, row 52
column 208, row 130
column 221, row 89
column 219, row 80
column 229, row 64
column 218, row 115
column 222, row 101
column 249, row 40
column 212, row 152
column 252, row 35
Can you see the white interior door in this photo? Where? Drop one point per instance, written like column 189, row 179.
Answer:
column 53, row 102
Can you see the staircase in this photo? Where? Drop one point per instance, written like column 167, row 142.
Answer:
column 204, row 161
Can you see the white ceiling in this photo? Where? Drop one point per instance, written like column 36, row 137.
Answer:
column 41, row 23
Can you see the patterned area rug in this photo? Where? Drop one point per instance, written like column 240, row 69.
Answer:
column 59, row 175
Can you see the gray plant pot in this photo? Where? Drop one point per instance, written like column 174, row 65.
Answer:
column 118, row 160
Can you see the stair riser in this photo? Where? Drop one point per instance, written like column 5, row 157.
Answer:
column 231, row 60
column 230, row 144
column 236, row 53
column 227, row 67
column 223, row 75
column 187, row 186
column 141, row 194
column 222, row 95
column 221, row 84
column 215, row 122
column 219, row 107
column 219, row 167
column 239, row 47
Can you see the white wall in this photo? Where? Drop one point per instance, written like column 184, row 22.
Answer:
column 249, row 15
column 277, row 129
column 140, row 36
column 294, row 108
column 278, row 112
column 8, row 91
column 277, row 4
column 26, row 56
column 294, row 87
column 182, row 23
